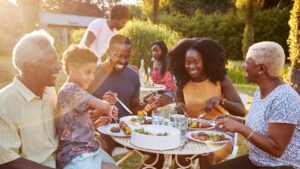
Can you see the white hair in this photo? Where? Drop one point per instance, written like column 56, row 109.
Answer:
column 31, row 48
column 270, row 54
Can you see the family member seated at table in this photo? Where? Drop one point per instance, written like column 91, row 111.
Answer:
column 115, row 76
column 203, row 89
column 27, row 128
column 100, row 31
column 273, row 123
column 75, row 128
column 161, row 75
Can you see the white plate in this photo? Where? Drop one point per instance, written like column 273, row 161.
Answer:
column 203, row 121
column 189, row 136
column 127, row 120
column 105, row 129
column 152, row 88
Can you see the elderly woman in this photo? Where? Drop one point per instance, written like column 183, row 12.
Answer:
column 273, row 123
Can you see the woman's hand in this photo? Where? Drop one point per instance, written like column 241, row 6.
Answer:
column 228, row 124
column 210, row 103
column 162, row 100
column 110, row 97
column 150, row 99
column 180, row 108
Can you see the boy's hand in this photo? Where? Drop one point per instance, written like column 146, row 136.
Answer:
column 103, row 120
column 113, row 113
column 110, row 97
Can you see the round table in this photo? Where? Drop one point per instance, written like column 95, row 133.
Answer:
column 191, row 148
column 156, row 87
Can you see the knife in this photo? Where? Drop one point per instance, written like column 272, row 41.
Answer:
column 124, row 106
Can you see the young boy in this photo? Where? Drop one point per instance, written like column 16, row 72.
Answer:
column 77, row 147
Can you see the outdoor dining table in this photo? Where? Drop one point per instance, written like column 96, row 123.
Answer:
column 191, row 148
column 156, row 87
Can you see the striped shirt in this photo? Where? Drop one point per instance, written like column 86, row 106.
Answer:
column 27, row 127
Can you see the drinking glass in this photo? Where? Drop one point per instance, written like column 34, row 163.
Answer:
column 157, row 118
column 181, row 122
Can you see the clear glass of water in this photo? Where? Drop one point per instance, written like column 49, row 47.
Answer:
column 181, row 122
column 157, row 118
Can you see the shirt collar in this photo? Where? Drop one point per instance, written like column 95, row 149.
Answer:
column 25, row 92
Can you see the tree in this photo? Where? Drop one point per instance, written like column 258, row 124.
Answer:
column 294, row 45
column 205, row 6
column 75, row 7
column 246, row 9
column 151, row 8
column 28, row 14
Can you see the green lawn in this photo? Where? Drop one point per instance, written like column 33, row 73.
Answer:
column 7, row 73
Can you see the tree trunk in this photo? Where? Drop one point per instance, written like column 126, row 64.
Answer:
column 295, row 77
column 29, row 14
column 155, row 11
column 294, row 45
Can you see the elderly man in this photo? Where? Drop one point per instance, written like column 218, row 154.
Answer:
column 27, row 128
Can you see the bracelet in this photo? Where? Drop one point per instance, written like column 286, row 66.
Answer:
column 223, row 101
column 243, row 121
column 250, row 135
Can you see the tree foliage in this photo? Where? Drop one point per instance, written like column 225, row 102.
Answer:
column 75, row 7
column 205, row 6
column 143, row 34
column 148, row 7
column 246, row 9
column 294, row 45
column 28, row 14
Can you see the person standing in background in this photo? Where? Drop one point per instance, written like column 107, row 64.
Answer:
column 100, row 31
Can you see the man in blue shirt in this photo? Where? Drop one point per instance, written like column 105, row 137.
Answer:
column 114, row 75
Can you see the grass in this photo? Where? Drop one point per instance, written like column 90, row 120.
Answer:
column 8, row 72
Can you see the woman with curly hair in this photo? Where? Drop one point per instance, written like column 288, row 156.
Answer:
column 203, row 89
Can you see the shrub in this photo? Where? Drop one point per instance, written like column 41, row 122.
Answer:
column 228, row 28
column 143, row 34
column 271, row 25
column 76, row 35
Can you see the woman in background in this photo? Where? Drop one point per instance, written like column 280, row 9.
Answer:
column 161, row 75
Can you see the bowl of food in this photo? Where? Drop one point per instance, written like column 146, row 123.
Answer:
column 155, row 137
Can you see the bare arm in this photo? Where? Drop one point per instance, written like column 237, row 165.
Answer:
column 276, row 141
column 22, row 163
column 179, row 99
column 89, row 39
column 233, row 103
column 103, row 107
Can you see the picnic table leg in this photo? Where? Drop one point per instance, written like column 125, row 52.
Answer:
column 124, row 158
column 168, row 161
column 187, row 159
column 147, row 166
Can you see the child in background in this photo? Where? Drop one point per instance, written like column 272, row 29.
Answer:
column 77, row 147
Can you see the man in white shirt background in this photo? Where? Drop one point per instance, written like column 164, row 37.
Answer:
column 100, row 31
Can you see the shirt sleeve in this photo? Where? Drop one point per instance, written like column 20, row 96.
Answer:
column 169, row 82
column 79, row 98
column 95, row 27
column 285, row 109
column 136, row 94
column 10, row 141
